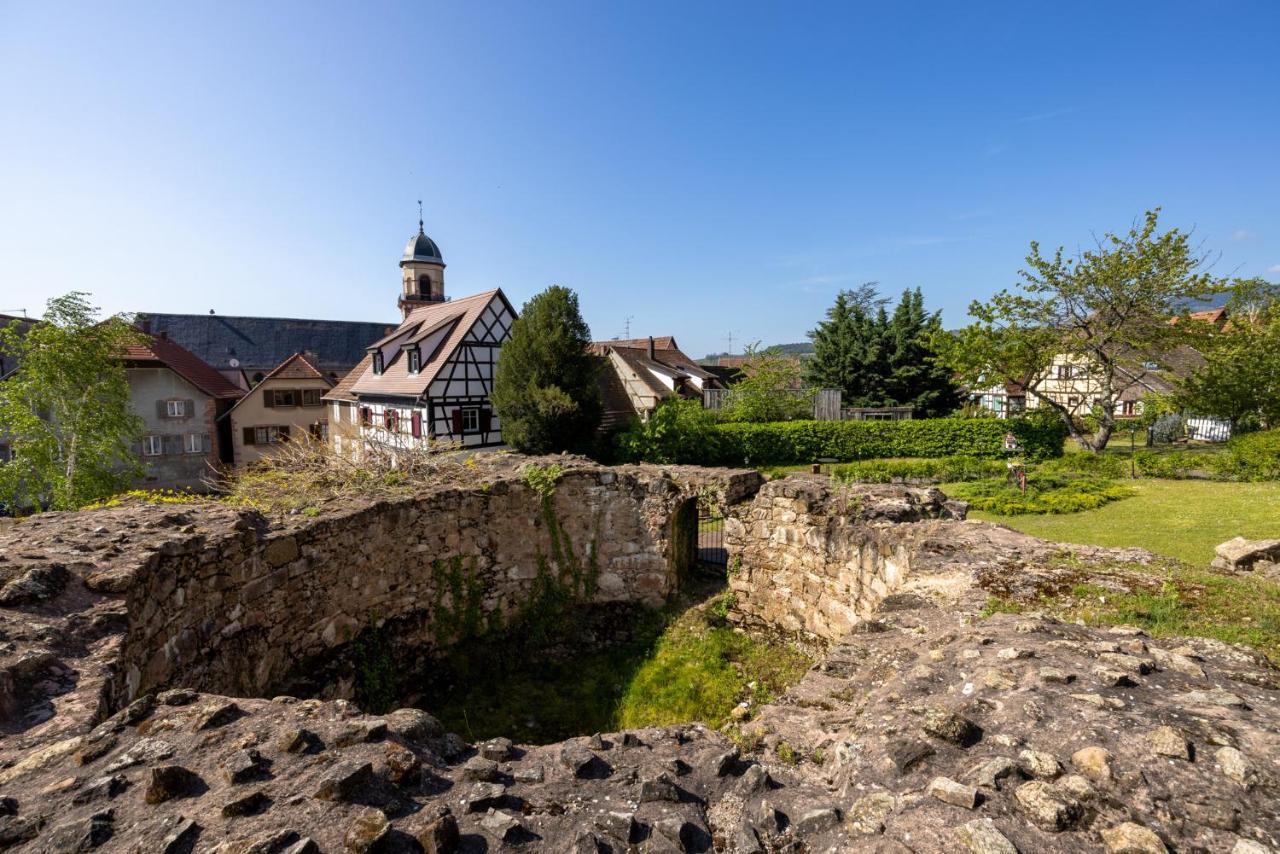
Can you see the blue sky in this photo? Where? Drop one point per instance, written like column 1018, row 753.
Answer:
column 702, row 168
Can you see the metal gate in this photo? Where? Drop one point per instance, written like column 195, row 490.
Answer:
column 711, row 548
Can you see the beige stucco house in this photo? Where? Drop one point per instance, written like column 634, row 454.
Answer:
column 285, row 405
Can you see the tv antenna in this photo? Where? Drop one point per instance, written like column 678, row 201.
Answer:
column 729, row 338
column 14, row 311
column 627, row 333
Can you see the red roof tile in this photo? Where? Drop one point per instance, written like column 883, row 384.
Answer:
column 184, row 363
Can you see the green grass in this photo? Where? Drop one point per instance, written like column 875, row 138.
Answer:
column 699, row 671
column 1183, row 519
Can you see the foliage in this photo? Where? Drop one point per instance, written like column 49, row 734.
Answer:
column 878, row 359
column 1252, row 456
column 937, row 470
column 1240, row 380
column 1174, row 465
column 807, row 441
column 542, row 479
column 1094, row 465
column 1108, row 309
column 771, row 388
column 66, row 412
column 678, row 431
column 1183, row 519
column 1046, row 493
column 545, row 389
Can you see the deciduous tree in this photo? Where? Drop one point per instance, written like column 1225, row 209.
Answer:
column 66, row 411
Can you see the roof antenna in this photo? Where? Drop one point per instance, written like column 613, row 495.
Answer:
column 420, row 231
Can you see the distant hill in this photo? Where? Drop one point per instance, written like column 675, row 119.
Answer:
column 804, row 348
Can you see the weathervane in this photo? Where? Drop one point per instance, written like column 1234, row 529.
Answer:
column 420, row 215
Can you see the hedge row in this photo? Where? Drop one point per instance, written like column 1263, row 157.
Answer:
column 920, row 469
column 789, row 442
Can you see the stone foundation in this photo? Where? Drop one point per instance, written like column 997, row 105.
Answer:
column 814, row 559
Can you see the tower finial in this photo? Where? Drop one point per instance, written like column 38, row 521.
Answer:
column 420, row 231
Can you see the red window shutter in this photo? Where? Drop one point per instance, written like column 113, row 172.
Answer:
column 457, row 422
column 415, row 424
column 486, row 420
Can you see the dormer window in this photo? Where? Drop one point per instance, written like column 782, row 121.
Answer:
column 377, row 363
column 415, row 360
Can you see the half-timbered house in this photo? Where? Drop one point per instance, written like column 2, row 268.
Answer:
column 428, row 382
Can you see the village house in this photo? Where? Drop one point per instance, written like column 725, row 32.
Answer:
column 638, row 374
column 286, row 404
column 180, row 400
column 427, row 383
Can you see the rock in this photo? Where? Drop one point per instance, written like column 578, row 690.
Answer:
column 479, row 768
column 305, row 845
column 345, row 781
column 951, row 726
column 143, row 752
column 502, row 826
column 1056, row 676
column 950, row 792
column 83, row 834
column 817, row 820
column 868, row 813
column 177, row 697
column 296, row 740
column 100, row 789
column 281, row 551
column 906, row 753
column 769, row 818
column 403, row 765
column 1214, row 697
column 989, row 774
column 1076, row 787
column 1239, row 554
column 37, row 584
column 1094, row 762
column 659, row 788
column 414, row 725
column 219, row 713
column 1038, row 764
column 15, row 830
column 175, row 832
column 1235, row 765
column 1128, row 663
column 1167, row 741
column 618, row 823
column 483, row 797
column 437, row 831
column 244, row 766
column 1130, row 838
column 369, row 827
column 497, row 749
column 359, row 731
column 582, row 763
column 139, row 710
column 1176, row 662
column 754, row 779
column 1215, row 813
column 172, row 781
column 1248, row 846
column 981, row 836
column 250, row 804
column 532, row 774
column 1046, row 806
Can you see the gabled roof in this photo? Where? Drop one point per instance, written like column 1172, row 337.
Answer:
column 297, row 367
column 261, row 343
column 458, row 316
column 617, row 410
column 667, row 355
column 156, row 350
column 642, row 366
column 342, row 391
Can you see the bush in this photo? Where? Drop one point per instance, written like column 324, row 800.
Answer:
column 807, row 441
column 939, row 470
column 679, row 431
column 1253, row 456
column 1175, row 465
column 1046, row 493
column 1098, row 465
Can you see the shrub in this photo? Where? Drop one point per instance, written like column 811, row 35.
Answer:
column 679, row 431
column 806, row 441
column 939, row 470
column 1046, row 493
column 1174, row 465
column 1098, row 465
column 1253, row 456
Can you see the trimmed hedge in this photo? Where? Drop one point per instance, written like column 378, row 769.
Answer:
column 787, row 442
column 933, row 470
column 1252, row 456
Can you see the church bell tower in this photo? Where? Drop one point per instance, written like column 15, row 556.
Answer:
column 421, row 271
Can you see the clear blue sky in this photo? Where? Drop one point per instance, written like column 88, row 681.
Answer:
column 702, row 167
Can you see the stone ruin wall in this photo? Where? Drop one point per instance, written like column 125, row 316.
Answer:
column 241, row 611
column 813, row 559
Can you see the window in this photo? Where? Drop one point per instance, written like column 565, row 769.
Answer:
column 266, row 435
column 176, row 408
column 366, row 416
column 152, row 446
column 283, row 397
column 1073, row 402
column 311, row 397
column 471, row 421
column 319, row 430
column 415, row 361
column 194, row 443
column 391, row 420
column 377, row 362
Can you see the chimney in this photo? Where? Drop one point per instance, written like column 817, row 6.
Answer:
column 651, row 348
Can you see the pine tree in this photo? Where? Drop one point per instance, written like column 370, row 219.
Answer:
column 544, row 389
column 913, row 375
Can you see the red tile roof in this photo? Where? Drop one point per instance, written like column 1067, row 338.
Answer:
column 156, row 350
column 297, row 367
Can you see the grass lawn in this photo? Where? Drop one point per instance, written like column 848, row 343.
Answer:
column 1183, row 519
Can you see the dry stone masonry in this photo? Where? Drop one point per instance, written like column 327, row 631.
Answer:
column 140, row 647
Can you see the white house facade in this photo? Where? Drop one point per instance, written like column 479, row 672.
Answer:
column 428, row 383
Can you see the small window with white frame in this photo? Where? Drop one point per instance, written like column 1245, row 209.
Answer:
column 471, row 421
column 176, row 408
column 152, row 446
column 415, row 360
column 194, row 443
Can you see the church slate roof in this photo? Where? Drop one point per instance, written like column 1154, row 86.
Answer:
column 262, row 343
